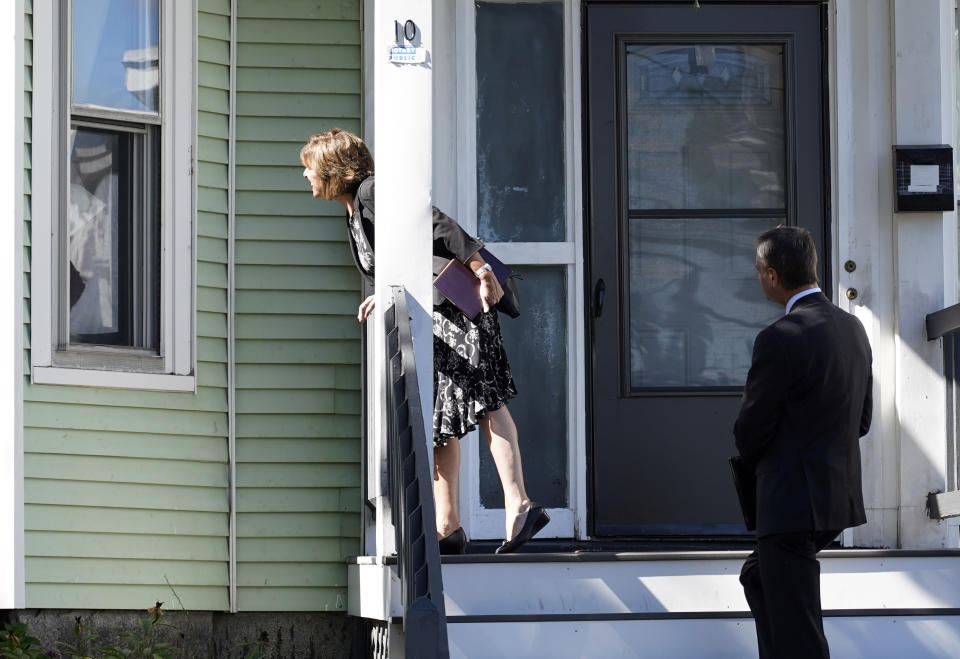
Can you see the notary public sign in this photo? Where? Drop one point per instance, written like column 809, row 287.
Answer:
column 408, row 55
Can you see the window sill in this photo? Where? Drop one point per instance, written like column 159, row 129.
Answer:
column 81, row 377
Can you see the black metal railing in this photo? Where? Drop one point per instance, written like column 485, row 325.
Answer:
column 411, row 493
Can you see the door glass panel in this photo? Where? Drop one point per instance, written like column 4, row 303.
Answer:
column 695, row 304
column 536, row 345
column 705, row 126
column 520, row 115
column 116, row 54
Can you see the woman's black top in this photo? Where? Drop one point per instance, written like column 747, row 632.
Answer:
column 450, row 241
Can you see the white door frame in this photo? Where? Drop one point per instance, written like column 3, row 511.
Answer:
column 478, row 521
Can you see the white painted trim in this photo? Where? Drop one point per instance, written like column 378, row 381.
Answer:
column 231, row 311
column 82, row 377
column 577, row 461
column 177, row 193
column 12, row 577
column 559, row 253
column 45, row 173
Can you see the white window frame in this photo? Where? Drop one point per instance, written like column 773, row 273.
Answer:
column 12, row 561
column 177, row 265
column 568, row 522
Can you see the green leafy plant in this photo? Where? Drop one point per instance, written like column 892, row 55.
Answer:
column 140, row 644
column 83, row 639
column 16, row 641
column 143, row 644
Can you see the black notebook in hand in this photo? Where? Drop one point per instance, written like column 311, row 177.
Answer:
column 745, row 481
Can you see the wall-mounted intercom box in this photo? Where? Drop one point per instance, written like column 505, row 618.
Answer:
column 923, row 178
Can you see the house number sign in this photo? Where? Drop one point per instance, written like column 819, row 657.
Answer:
column 407, row 49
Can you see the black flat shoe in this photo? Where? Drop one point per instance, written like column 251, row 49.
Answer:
column 536, row 519
column 455, row 543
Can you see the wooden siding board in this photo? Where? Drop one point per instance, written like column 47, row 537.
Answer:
column 126, row 490
column 90, row 417
column 289, row 401
column 123, row 470
column 297, row 55
column 213, row 275
column 289, row 303
column 298, row 448
column 204, row 400
column 211, row 374
column 291, row 576
column 212, row 149
column 126, row 596
column 280, row 376
column 285, row 474
column 331, row 81
column 213, row 26
column 85, row 519
column 314, row 229
column 294, row 278
column 284, row 154
column 215, row 51
column 128, row 571
column 125, row 545
column 297, row 425
column 298, row 525
column 293, row 500
column 298, row 31
column 136, row 445
column 293, row 253
column 254, row 104
column 288, row 326
column 293, row 599
column 294, row 550
column 265, row 351
column 291, row 130
column 211, row 225
column 297, row 9
column 127, row 495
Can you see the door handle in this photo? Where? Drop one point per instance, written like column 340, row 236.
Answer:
column 599, row 292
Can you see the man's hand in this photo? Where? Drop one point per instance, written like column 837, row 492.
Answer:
column 366, row 308
column 490, row 291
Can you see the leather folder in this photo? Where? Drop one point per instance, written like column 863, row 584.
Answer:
column 459, row 285
column 745, row 481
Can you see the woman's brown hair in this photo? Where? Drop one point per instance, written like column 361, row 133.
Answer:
column 340, row 159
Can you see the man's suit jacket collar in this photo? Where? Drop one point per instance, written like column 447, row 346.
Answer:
column 806, row 298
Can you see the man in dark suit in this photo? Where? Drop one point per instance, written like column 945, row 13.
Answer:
column 806, row 403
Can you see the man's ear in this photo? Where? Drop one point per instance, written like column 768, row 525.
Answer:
column 772, row 276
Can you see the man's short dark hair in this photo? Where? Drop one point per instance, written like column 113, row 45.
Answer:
column 791, row 252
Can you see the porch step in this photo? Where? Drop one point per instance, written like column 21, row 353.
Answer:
column 858, row 637
column 686, row 582
column 689, row 604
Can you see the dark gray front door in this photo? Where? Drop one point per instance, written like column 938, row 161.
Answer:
column 705, row 129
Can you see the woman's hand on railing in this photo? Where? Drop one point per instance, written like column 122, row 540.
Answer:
column 490, row 290
column 366, row 308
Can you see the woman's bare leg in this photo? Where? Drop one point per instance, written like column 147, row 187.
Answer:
column 501, row 435
column 446, row 487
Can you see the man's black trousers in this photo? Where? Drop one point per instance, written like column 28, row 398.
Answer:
column 781, row 580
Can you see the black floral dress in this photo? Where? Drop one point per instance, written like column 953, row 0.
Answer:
column 471, row 372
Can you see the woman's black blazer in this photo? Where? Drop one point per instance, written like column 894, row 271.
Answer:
column 450, row 241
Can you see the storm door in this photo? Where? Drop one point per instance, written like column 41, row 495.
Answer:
column 705, row 129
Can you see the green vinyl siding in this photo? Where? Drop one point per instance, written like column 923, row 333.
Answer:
column 298, row 343
column 126, row 491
